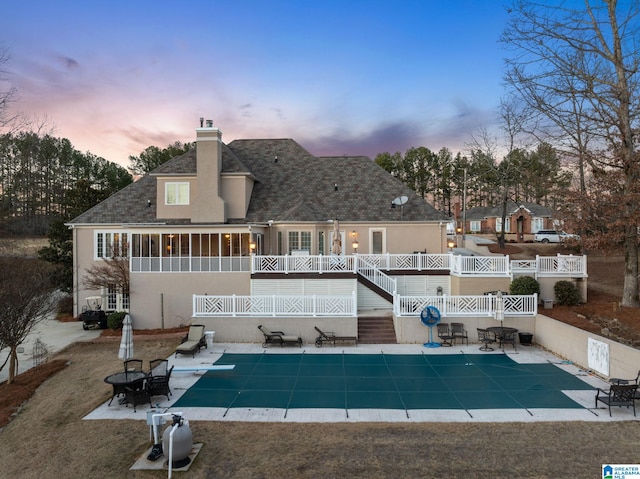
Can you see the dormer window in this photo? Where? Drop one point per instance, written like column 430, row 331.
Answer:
column 176, row 193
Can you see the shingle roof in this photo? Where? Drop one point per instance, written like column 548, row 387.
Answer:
column 296, row 187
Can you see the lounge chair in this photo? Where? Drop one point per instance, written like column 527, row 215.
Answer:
column 618, row 395
column 278, row 337
column 330, row 337
column 193, row 342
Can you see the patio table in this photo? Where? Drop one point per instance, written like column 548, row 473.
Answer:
column 123, row 379
column 500, row 331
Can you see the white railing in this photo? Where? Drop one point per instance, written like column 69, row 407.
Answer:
column 302, row 264
column 568, row 265
column 274, row 305
column 458, row 306
column 377, row 277
column 480, row 265
column 560, row 265
column 526, row 266
column 413, row 262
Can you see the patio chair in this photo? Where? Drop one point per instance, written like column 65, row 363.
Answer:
column 158, row 367
column 278, row 337
column 193, row 341
column 508, row 338
column 137, row 394
column 445, row 334
column 330, row 337
column 158, row 385
column 133, row 365
column 625, row 381
column 486, row 338
column 618, row 395
column 458, row 332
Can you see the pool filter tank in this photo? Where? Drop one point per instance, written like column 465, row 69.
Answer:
column 177, row 442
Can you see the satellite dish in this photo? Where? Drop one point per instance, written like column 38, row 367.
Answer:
column 400, row 200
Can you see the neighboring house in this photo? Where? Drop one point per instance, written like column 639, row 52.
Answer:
column 195, row 224
column 521, row 219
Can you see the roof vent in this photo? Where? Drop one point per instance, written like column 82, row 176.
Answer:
column 209, row 123
column 201, row 122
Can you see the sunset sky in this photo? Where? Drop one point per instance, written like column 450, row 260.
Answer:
column 340, row 77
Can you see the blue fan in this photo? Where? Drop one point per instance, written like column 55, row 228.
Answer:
column 430, row 316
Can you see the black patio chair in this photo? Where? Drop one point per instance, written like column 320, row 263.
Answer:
column 159, row 385
column 625, row 381
column 133, row 365
column 445, row 334
column 137, row 394
column 158, row 367
column 508, row 338
column 618, row 395
column 486, row 338
column 458, row 332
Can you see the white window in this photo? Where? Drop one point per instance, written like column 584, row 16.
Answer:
column 110, row 244
column 176, row 193
column 475, row 225
column 507, row 225
column 299, row 240
column 537, row 224
column 377, row 240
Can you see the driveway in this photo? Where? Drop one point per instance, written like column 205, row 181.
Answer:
column 55, row 335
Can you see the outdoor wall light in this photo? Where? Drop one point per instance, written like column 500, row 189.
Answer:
column 252, row 246
column 335, row 187
column 355, row 246
column 451, row 244
column 148, row 203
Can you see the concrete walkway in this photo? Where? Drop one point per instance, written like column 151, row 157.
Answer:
column 55, row 335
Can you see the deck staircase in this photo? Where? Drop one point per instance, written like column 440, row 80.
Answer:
column 376, row 329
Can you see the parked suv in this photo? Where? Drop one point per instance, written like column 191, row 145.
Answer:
column 553, row 236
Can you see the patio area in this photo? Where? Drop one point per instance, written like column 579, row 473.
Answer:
column 374, row 383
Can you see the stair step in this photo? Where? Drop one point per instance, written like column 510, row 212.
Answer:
column 376, row 330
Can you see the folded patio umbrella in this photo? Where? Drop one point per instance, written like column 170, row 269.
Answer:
column 126, row 343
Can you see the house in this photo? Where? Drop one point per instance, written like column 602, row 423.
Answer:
column 521, row 219
column 193, row 225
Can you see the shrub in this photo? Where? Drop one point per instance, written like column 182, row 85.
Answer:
column 566, row 293
column 524, row 285
column 114, row 320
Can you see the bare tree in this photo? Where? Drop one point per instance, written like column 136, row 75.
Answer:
column 26, row 298
column 7, row 94
column 112, row 272
column 578, row 68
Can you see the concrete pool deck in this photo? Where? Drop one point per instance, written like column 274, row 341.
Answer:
column 183, row 380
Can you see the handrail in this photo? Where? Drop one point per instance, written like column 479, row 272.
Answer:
column 377, row 277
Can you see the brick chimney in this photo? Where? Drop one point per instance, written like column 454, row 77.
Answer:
column 208, row 206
